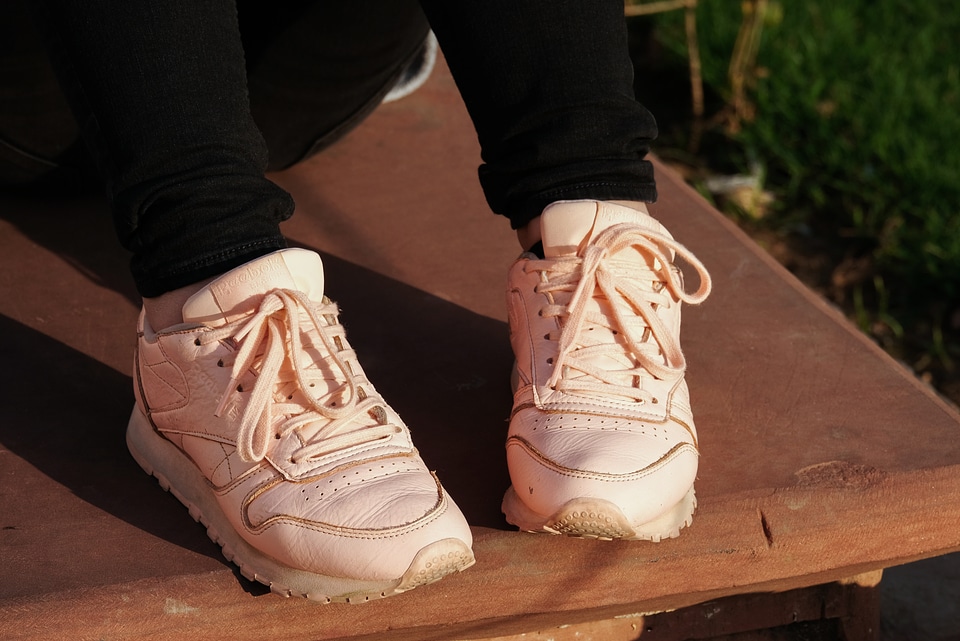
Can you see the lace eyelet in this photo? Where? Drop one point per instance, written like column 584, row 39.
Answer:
column 196, row 342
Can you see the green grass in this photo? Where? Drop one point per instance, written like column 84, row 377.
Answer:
column 857, row 128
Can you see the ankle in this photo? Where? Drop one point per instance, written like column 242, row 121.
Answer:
column 166, row 310
column 529, row 234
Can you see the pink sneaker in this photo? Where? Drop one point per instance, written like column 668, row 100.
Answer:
column 601, row 442
column 256, row 414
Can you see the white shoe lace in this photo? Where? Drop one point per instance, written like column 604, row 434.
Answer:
column 271, row 348
column 632, row 294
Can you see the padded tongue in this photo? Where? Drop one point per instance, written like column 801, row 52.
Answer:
column 568, row 226
column 239, row 291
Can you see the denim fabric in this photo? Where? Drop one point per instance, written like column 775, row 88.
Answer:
column 180, row 101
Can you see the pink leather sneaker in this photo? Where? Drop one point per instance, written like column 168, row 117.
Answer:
column 602, row 442
column 256, row 414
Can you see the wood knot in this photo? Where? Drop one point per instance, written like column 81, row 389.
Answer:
column 839, row 474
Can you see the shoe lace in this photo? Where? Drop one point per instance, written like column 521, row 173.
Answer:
column 272, row 347
column 632, row 294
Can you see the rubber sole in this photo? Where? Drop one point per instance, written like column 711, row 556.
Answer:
column 179, row 476
column 594, row 518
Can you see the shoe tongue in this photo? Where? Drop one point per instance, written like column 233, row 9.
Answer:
column 239, row 292
column 567, row 227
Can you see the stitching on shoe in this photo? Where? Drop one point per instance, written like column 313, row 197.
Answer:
column 439, row 508
column 661, row 462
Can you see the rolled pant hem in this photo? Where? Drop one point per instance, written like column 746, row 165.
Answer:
column 152, row 282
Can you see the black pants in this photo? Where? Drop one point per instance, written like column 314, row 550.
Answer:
column 183, row 102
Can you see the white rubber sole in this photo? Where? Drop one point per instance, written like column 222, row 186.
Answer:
column 179, row 476
column 594, row 518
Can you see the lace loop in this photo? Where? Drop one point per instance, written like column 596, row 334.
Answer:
column 272, row 349
column 632, row 298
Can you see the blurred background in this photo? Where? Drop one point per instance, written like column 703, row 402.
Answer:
column 830, row 130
